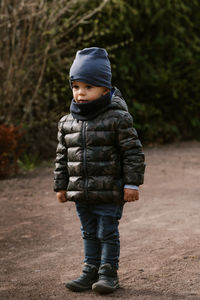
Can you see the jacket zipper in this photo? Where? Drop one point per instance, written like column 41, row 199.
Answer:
column 85, row 160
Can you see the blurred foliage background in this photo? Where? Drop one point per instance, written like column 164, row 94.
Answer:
column 154, row 48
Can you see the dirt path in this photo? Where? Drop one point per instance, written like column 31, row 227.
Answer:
column 41, row 246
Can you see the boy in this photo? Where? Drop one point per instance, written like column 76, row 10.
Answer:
column 99, row 166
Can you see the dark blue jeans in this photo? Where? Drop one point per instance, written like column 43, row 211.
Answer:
column 99, row 227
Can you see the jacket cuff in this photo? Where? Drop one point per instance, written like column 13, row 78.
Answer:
column 132, row 187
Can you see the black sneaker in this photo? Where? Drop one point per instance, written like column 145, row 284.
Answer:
column 85, row 281
column 108, row 280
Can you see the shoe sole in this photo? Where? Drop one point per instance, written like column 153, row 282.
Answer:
column 103, row 289
column 77, row 288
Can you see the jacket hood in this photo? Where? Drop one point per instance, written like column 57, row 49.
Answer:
column 117, row 101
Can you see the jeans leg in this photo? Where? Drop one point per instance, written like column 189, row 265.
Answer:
column 108, row 233
column 92, row 245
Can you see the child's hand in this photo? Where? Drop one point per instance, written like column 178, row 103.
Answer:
column 61, row 196
column 131, row 195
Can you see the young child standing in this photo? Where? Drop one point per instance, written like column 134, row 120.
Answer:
column 99, row 166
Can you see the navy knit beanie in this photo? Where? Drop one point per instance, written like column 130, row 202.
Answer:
column 92, row 65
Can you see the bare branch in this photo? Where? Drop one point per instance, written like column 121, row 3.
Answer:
column 33, row 32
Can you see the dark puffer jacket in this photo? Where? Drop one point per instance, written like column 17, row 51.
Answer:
column 97, row 157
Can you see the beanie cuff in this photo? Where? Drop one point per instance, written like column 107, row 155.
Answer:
column 91, row 81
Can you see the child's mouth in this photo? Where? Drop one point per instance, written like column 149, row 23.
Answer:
column 83, row 101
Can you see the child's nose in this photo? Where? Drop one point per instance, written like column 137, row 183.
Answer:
column 81, row 91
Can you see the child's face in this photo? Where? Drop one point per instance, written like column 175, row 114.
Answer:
column 85, row 92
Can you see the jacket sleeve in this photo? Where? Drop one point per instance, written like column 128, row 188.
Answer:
column 61, row 177
column 131, row 153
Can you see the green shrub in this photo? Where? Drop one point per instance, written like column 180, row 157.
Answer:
column 155, row 53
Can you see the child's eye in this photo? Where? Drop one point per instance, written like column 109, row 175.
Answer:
column 75, row 87
column 89, row 87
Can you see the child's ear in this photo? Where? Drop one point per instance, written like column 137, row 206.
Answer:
column 106, row 90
